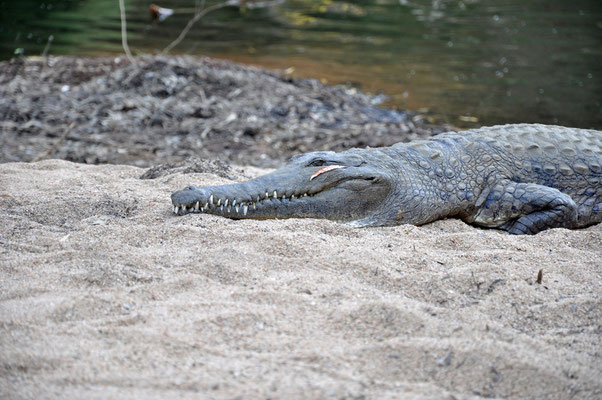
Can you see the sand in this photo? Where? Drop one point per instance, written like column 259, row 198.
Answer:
column 104, row 293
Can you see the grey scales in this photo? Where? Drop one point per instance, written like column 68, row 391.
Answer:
column 522, row 178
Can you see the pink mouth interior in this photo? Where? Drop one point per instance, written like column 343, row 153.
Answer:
column 325, row 169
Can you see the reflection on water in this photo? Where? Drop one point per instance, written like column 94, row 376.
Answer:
column 470, row 62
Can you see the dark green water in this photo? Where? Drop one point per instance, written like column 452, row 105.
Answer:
column 473, row 60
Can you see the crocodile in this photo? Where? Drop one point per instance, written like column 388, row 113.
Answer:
column 521, row 178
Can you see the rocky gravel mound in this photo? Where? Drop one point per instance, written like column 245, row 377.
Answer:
column 167, row 109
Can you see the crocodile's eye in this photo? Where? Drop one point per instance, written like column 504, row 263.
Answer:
column 317, row 163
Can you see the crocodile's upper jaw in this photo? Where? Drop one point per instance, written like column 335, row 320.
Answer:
column 335, row 188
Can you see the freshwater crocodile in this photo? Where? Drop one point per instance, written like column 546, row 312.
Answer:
column 521, row 178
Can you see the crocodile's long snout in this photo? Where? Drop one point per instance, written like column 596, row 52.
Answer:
column 218, row 200
column 337, row 192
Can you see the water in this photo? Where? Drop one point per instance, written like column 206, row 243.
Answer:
column 471, row 62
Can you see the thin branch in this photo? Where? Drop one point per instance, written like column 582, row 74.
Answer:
column 199, row 5
column 200, row 14
column 47, row 48
column 56, row 144
column 124, row 38
column 202, row 11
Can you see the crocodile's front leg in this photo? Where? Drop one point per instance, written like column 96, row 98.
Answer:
column 524, row 208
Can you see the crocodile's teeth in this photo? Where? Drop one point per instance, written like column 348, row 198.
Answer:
column 175, row 209
column 221, row 208
column 275, row 194
column 226, row 203
column 245, row 209
column 254, row 206
column 229, row 209
column 304, row 194
column 236, row 208
column 233, row 202
column 267, row 195
column 219, row 202
column 206, row 207
column 258, row 198
column 197, row 205
column 211, row 199
column 292, row 197
column 283, row 197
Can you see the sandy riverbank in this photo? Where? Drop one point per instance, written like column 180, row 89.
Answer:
column 105, row 294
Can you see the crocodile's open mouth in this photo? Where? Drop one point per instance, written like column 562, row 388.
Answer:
column 314, row 185
column 232, row 208
column 342, row 195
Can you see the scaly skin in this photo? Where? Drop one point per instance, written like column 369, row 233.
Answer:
column 520, row 178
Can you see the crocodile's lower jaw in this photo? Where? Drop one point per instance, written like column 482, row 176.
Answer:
column 345, row 199
column 230, row 208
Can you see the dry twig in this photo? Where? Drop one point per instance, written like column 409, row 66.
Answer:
column 197, row 16
column 201, row 11
column 124, row 39
column 56, row 144
column 540, row 276
column 47, row 48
